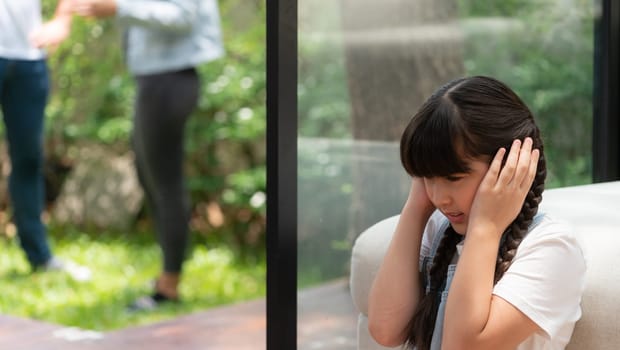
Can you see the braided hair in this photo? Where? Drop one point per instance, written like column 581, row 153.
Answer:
column 465, row 119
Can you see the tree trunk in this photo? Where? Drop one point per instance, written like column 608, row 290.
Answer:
column 397, row 53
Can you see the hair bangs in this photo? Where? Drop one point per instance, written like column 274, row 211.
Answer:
column 434, row 146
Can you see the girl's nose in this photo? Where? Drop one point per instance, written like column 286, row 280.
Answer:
column 439, row 195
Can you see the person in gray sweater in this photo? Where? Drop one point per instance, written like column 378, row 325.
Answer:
column 164, row 41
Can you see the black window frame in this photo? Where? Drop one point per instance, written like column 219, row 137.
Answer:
column 281, row 174
column 606, row 96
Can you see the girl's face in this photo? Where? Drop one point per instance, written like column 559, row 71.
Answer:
column 454, row 194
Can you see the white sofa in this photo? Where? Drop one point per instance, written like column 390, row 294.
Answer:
column 594, row 212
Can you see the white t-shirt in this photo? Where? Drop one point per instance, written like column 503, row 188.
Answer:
column 545, row 280
column 18, row 18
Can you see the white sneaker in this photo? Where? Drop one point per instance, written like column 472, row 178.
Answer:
column 77, row 272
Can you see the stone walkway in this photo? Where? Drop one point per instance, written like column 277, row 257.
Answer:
column 327, row 320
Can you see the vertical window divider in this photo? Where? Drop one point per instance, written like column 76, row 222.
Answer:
column 606, row 106
column 281, row 142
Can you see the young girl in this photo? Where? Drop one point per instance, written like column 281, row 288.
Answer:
column 472, row 264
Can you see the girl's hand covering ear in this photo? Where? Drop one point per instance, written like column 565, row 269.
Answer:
column 502, row 191
column 418, row 199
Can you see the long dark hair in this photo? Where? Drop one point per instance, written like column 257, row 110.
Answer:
column 467, row 118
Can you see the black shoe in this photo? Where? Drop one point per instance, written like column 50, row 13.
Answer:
column 150, row 302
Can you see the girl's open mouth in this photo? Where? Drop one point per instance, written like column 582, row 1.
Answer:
column 455, row 218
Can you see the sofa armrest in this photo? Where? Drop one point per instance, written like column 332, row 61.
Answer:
column 366, row 257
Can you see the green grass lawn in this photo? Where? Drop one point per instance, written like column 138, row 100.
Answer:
column 123, row 267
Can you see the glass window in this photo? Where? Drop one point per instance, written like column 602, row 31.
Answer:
column 365, row 67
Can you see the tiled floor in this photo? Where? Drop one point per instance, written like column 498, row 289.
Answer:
column 327, row 321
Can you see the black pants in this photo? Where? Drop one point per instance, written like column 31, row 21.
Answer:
column 164, row 103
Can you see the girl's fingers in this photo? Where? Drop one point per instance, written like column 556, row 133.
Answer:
column 496, row 166
column 508, row 172
column 523, row 164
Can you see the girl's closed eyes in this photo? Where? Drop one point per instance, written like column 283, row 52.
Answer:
column 454, row 178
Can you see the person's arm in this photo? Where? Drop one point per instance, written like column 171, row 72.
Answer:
column 395, row 291
column 53, row 32
column 171, row 15
column 475, row 318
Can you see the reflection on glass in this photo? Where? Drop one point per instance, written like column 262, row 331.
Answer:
column 364, row 69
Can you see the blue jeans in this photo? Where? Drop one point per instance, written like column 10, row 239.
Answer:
column 24, row 88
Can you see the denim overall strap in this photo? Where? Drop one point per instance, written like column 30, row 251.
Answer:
column 537, row 219
column 437, row 239
column 427, row 261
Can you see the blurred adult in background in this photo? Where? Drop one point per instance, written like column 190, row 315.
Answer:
column 164, row 41
column 24, row 89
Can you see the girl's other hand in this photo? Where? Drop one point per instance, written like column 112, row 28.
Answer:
column 418, row 199
column 502, row 191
